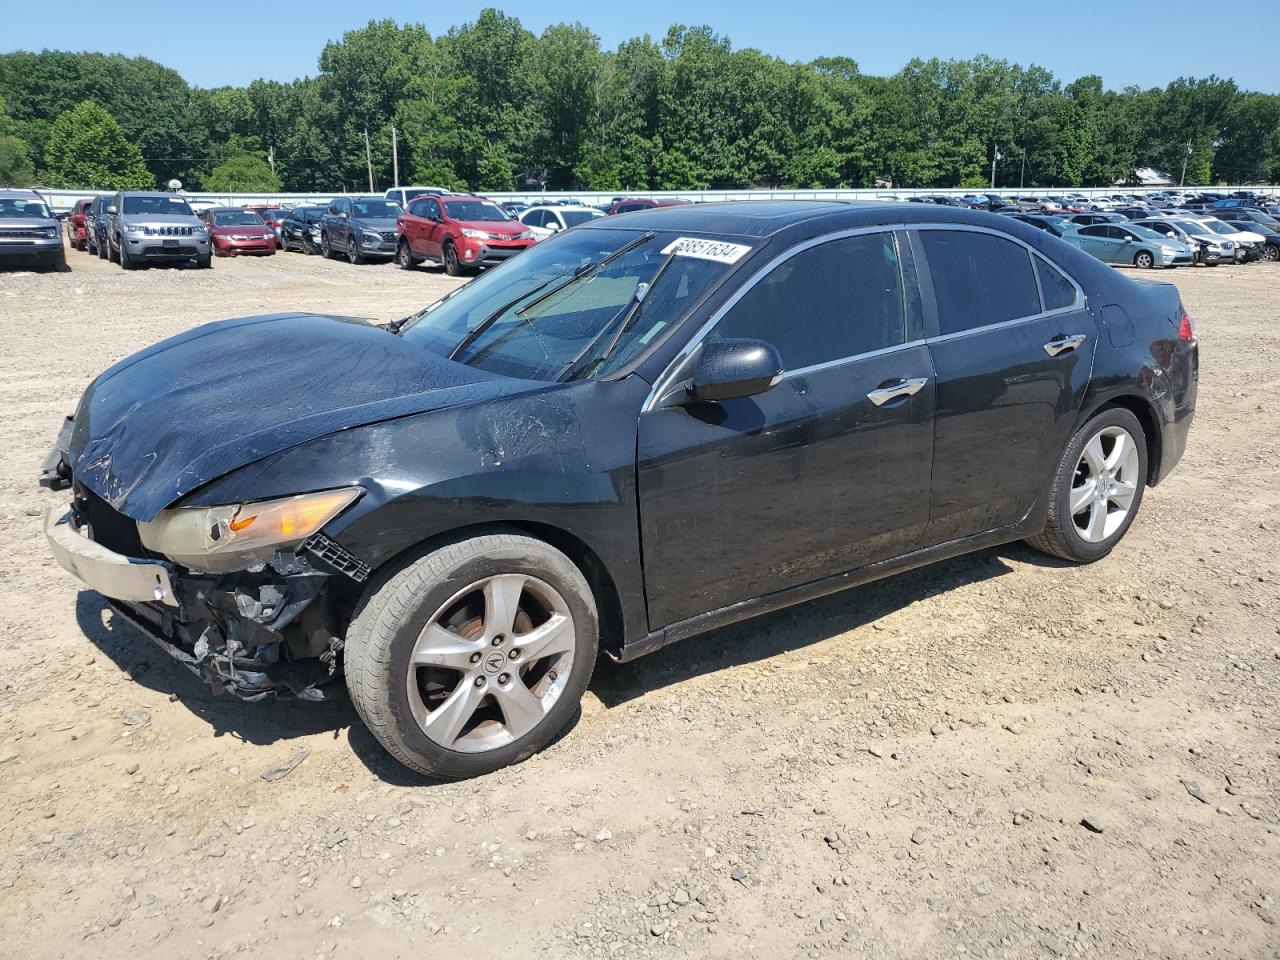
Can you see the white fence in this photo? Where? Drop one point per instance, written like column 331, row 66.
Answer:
column 63, row 200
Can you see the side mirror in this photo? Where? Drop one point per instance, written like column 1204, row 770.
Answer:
column 553, row 227
column 343, row 215
column 1130, row 236
column 111, row 209
column 728, row 369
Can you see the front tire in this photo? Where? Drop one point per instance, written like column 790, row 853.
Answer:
column 404, row 256
column 326, row 248
column 353, row 252
column 113, row 253
column 474, row 655
column 204, row 261
column 1144, row 260
column 1097, row 489
column 452, row 266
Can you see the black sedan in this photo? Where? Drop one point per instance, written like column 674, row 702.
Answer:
column 300, row 230
column 637, row 431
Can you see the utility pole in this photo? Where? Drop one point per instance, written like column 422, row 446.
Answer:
column 1022, row 177
column 994, row 157
column 368, row 157
column 395, row 158
column 271, row 157
column 1182, row 180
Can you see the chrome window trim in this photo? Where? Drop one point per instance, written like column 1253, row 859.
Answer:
column 669, row 374
column 1077, row 304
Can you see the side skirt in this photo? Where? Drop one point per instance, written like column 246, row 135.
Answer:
column 1028, row 526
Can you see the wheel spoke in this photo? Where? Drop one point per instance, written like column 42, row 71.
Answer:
column 440, row 647
column 1122, row 494
column 1082, row 495
column 501, row 604
column 1096, row 529
column 445, row 722
column 521, row 710
column 554, row 636
column 1094, row 456
column 1119, row 450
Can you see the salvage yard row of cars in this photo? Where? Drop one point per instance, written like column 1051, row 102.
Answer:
column 464, row 233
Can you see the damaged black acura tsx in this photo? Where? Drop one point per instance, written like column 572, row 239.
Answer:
column 642, row 429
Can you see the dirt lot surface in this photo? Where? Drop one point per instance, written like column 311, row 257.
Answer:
column 898, row 771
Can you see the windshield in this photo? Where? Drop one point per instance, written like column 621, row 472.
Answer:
column 236, row 218
column 157, row 206
column 375, row 209
column 572, row 218
column 481, row 210
column 13, row 208
column 548, row 315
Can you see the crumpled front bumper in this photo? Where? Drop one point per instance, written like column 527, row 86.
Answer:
column 250, row 634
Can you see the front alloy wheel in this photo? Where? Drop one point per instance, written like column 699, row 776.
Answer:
column 1144, row 260
column 474, row 655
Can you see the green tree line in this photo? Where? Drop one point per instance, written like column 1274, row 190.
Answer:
column 492, row 106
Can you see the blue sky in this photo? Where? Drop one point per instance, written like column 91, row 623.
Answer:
column 234, row 41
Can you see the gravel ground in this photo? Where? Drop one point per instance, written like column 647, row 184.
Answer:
column 994, row 756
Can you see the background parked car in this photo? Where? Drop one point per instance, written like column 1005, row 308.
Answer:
column 95, row 226
column 29, row 233
column 1131, row 245
column 148, row 227
column 642, row 203
column 545, row 221
column 237, row 230
column 363, row 228
column 271, row 215
column 301, row 229
column 461, row 232
column 402, row 195
column 77, row 235
column 1265, row 241
column 1058, row 226
column 1208, row 247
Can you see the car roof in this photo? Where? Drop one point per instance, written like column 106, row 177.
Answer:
column 763, row 218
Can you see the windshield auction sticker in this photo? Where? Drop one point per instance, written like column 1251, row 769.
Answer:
column 716, row 250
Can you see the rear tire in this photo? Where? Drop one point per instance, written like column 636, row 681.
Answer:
column 474, row 655
column 1097, row 488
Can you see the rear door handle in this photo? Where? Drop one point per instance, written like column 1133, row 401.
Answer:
column 1063, row 344
column 895, row 389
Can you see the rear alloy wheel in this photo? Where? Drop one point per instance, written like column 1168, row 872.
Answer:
column 1097, row 488
column 1144, row 260
column 404, row 256
column 456, row 681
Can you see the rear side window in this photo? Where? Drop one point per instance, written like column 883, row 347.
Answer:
column 1056, row 289
column 978, row 279
column 836, row 300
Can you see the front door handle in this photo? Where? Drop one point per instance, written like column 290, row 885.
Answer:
column 895, row 389
column 1059, row 345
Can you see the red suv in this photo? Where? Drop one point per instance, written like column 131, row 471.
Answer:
column 461, row 232
column 75, row 225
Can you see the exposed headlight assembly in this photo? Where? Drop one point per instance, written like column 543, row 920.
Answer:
column 239, row 536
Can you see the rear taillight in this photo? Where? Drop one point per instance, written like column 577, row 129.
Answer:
column 1184, row 329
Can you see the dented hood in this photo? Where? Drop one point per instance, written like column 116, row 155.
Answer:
column 190, row 409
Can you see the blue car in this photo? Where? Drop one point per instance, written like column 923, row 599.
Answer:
column 1129, row 244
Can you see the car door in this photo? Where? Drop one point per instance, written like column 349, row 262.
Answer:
column 825, row 472
column 1096, row 240
column 340, row 229
column 433, row 229
column 1012, row 345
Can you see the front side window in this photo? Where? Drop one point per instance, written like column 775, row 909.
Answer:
column 978, row 279
column 836, row 300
